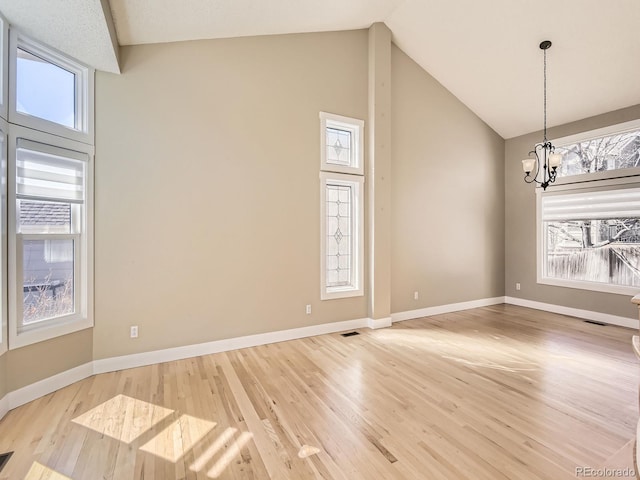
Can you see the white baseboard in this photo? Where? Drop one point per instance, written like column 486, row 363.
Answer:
column 375, row 323
column 44, row 387
column 48, row 385
column 575, row 312
column 440, row 309
column 178, row 353
column 4, row 406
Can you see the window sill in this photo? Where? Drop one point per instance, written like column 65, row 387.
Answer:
column 590, row 286
column 47, row 331
column 341, row 293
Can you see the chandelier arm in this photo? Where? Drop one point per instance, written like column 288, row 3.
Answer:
column 534, row 178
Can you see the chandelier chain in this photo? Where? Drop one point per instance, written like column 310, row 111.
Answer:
column 545, row 95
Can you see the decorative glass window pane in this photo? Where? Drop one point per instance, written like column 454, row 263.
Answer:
column 341, row 144
column 45, row 90
column 339, row 244
column 338, row 146
column 603, row 153
column 48, row 284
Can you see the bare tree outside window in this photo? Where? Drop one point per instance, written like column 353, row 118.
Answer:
column 612, row 152
column 603, row 251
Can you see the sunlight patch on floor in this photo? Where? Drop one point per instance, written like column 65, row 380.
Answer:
column 208, row 454
column 179, row 437
column 492, row 351
column 42, row 472
column 227, row 457
column 123, row 418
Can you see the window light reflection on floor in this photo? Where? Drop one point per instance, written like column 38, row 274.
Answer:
column 234, row 450
column 126, row 419
column 123, row 418
column 178, row 438
column 208, row 454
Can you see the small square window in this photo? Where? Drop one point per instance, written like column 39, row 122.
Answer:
column 341, row 144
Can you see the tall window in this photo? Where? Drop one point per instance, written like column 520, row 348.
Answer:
column 589, row 231
column 49, row 195
column 50, row 202
column 341, row 206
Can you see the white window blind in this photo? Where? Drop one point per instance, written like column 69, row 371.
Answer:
column 600, row 205
column 48, row 173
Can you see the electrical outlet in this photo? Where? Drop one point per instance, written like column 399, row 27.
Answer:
column 416, row 295
column 308, row 310
column 517, row 286
column 134, row 332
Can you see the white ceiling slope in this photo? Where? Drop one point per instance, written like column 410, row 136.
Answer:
column 156, row 21
column 82, row 29
column 485, row 52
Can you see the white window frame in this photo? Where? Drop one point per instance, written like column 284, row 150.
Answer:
column 356, row 288
column 355, row 127
column 4, row 67
column 610, row 179
column 541, row 240
column 4, row 334
column 591, row 134
column 82, row 318
column 84, row 90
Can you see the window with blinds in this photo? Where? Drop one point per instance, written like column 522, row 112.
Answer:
column 50, row 197
column 48, row 173
column 591, row 238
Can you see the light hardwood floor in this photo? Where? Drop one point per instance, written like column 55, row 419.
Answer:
column 499, row 392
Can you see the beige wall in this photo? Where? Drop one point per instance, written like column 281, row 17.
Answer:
column 207, row 187
column 520, row 232
column 447, row 195
column 36, row 362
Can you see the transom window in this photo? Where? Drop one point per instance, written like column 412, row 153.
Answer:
column 341, row 144
column 604, row 150
column 49, row 91
column 45, row 90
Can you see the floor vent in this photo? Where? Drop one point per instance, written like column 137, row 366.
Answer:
column 4, row 458
column 595, row 323
column 349, row 334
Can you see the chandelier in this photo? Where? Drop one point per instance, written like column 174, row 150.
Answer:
column 543, row 154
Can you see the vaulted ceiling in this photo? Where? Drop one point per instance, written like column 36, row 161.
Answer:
column 485, row 52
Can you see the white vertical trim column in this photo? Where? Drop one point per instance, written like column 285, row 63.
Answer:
column 379, row 175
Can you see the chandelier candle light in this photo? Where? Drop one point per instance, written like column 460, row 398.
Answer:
column 542, row 153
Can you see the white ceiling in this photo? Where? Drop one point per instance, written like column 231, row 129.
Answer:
column 80, row 28
column 485, row 52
